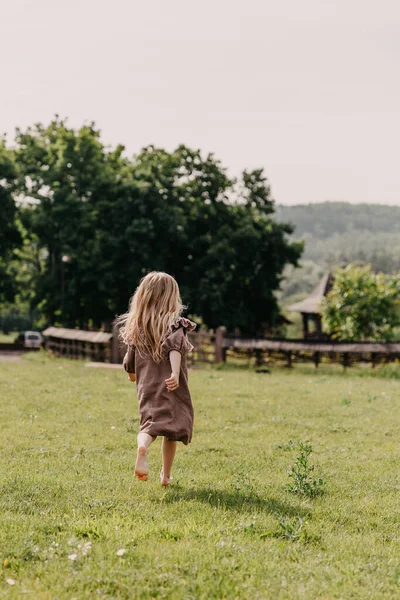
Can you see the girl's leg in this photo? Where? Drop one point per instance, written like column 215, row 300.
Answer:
column 168, row 453
column 142, row 466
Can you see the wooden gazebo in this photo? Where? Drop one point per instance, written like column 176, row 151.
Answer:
column 310, row 308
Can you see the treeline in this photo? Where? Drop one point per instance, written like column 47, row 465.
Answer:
column 339, row 232
column 325, row 219
column 81, row 223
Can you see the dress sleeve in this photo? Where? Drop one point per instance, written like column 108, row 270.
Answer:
column 129, row 360
column 177, row 338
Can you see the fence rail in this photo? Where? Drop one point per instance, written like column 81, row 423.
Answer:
column 11, row 347
column 204, row 348
column 216, row 347
column 314, row 346
column 77, row 343
column 344, row 352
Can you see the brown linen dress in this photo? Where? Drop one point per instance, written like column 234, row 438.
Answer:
column 164, row 413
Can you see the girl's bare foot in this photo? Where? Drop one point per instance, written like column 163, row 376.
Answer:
column 165, row 480
column 142, row 466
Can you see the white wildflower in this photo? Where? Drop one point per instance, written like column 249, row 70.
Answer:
column 10, row 581
column 73, row 556
column 85, row 548
column 121, row 552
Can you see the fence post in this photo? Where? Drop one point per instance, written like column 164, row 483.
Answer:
column 115, row 358
column 219, row 349
column 259, row 357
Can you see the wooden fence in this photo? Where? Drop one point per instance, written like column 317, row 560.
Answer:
column 266, row 350
column 216, row 347
column 106, row 347
column 204, row 348
column 11, row 347
column 77, row 343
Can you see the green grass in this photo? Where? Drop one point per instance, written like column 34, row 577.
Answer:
column 8, row 338
column 228, row 527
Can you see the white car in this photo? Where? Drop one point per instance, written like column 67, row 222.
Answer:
column 30, row 339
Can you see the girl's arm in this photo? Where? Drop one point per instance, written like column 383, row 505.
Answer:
column 129, row 363
column 175, row 362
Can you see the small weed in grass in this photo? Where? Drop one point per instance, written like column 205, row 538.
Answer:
column 346, row 401
column 86, row 531
column 243, row 484
column 290, row 528
column 301, row 474
column 288, row 447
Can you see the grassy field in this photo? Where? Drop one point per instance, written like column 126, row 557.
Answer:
column 75, row 523
column 8, row 338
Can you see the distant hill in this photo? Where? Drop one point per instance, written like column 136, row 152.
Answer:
column 328, row 218
column 339, row 232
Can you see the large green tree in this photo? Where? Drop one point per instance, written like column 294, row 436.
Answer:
column 182, row 214
column 362, row 305
column 238, row 272
column 101, row 221
column 65, row 176
column 10, row 237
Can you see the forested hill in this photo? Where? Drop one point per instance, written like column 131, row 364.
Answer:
column 337, row 232
column 329, row 218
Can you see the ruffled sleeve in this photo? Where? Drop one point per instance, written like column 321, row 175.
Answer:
column 129, row 360
column 177, row 339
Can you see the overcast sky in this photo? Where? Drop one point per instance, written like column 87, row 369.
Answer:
column 309, row 90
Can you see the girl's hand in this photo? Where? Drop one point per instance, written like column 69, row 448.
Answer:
column 173, row 382
column 132, row 376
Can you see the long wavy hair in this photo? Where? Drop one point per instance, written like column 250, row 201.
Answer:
column 154, row 306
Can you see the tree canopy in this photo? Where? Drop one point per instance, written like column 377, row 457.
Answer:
column 10, row 237
column 362, row 305
column 95, row 222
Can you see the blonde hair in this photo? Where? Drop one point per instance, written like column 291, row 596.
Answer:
column 154, row 306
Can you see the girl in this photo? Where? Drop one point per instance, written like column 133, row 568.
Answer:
column 156, row 336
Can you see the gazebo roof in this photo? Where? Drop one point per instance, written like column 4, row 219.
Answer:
column 79, row 335
column 311, row 305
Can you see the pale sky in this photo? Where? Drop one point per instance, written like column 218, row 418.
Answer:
column 307, row 89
